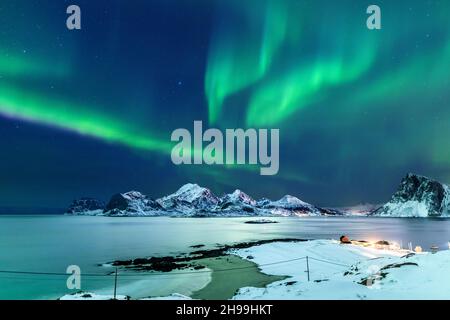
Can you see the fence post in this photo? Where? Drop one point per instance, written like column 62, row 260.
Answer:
column 115, row 285
column 307, row 266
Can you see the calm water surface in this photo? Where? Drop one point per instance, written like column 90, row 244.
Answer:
column 51, row 243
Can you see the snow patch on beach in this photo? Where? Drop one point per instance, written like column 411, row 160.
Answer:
column 94, row 296
column 91, row 296
column 174, row 296
column 356, row 271
column 340, row 271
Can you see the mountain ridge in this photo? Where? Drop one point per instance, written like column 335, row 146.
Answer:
column 416, row 196
column 192, row 200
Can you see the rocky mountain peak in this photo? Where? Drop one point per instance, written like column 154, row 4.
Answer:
column 188, row 198
column 417, row 196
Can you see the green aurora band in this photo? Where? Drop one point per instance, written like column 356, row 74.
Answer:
column 288, row 62
column 283, row 78
column 86, row 121
column 235, row 62
column 278, row 99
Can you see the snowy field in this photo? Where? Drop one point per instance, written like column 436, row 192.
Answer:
column 357, row 273
column 341, row 271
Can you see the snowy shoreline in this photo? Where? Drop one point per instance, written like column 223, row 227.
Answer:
column 347, row 271
column 340, row 271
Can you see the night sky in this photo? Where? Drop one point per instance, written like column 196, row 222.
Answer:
column 90, row 112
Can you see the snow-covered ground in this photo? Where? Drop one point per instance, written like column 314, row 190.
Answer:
column 339, row 271
column 91, row 296
column 391, row 274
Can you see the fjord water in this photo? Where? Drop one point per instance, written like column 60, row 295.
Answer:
column 52, row 243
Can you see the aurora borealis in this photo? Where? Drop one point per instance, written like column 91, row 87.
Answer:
column 90, row 112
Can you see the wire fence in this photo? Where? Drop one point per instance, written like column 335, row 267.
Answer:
column 330, row 262
column 50, row 276
column 140, row 274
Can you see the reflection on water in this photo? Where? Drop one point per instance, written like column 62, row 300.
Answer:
column 51, row 243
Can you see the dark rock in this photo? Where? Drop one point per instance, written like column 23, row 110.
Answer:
column 85, row 205
column 261, row 221
column 381, row 275
column 399, row 265
column 131, row 203
column 117, row 201
column 248, row 209
column 197, row 246
column 198, row 267
column 122, row 263
column 368, row 281
column 321, row 280
column 329, row 211
column 169, row 263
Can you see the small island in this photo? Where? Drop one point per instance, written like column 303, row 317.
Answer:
column 260, row 221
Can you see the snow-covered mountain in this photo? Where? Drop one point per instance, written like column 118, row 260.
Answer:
column 261, row 203
column 362, row 209
column 132, row 203
column 190, row 199
column 293, row 206
column 238, row 197
column 86, row 206
column 237, row 202
column 291, row 203
column 418, row 196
